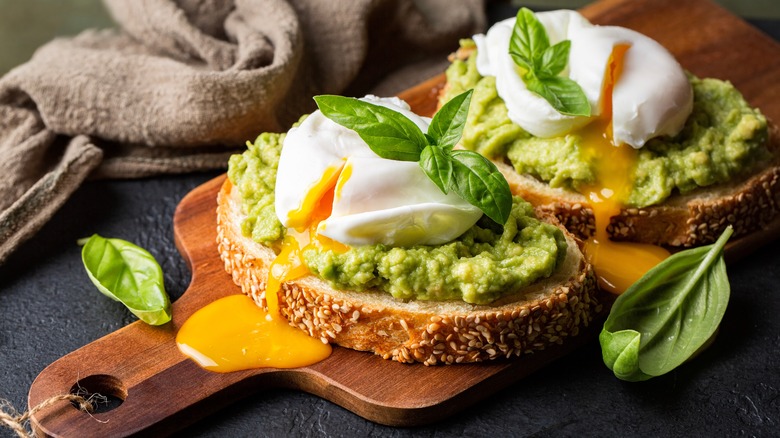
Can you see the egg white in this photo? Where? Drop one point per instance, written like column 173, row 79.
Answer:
column 652, row 96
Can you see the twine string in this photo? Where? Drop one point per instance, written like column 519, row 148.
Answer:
column 19, row 423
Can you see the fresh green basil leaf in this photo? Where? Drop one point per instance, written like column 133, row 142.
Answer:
column 563, row 94
column 127, row 273
column 447, row 125
column 522, row 62
column 620, row 351
column 529, row 47
column 393, row 136
column 477, row 180
column 554, row 59
column 388, row 133
column 676, row 307
column 529, row 39
column 437, row 164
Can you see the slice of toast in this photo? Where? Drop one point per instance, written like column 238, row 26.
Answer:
column 431, row 332
column 695, row 218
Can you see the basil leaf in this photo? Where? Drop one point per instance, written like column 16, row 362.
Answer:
column 388, row 133
column 437, row 164
column 620, row 351
column 554, row 59
column 447, row 125
column 673, row 310
column 477, row 180
column 129, row 274
column 393, row 136
column 562, row 93
column 529, row 39
column 530, row 48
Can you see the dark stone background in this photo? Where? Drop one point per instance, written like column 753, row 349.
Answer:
column 48, row 308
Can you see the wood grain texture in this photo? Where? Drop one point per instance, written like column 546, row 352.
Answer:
column 163, row 391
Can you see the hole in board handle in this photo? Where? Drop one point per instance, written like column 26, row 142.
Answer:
column 111, row 391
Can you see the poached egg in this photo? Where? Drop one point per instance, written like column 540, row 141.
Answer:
column 372, row 199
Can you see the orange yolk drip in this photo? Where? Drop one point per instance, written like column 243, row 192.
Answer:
column 289, row 265
column 618, row 264
column 234, row 334
column 311, row 205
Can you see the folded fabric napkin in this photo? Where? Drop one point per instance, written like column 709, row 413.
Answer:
column 182, row 84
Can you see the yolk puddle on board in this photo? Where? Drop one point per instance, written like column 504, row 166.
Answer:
column 233, row 333
column 617, row 264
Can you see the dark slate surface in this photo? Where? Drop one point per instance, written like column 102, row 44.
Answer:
column 49, row 308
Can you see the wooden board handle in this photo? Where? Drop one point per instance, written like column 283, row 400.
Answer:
column 160, row 389
column 140, row 365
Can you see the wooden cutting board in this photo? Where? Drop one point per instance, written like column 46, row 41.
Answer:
column 163, row 391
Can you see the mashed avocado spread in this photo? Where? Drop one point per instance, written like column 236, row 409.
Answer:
column 478, row 267
column 722, row 138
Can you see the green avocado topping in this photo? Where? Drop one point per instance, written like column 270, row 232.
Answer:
column 482, row 265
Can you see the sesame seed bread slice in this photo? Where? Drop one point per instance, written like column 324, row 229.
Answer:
column 696, row 218
column 749, row 203
column 415, row 331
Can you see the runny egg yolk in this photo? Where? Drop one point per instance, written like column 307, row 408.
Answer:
column 617, row 264
column 233, row 333
column 316, row 207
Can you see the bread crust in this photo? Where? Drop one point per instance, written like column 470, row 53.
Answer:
column 693, row 219
column 415, row 331
column 696, row 218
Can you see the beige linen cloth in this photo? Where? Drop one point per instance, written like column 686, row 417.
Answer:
column 184, row 83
